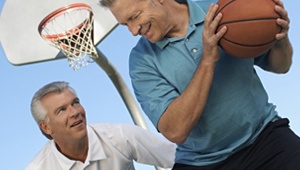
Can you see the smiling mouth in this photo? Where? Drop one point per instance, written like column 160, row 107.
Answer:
column 76, row 123
column 145, row 34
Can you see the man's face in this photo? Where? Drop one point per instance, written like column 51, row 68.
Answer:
column 66, row 115
column 142, row 17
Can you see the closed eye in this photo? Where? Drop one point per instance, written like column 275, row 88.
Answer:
column 131, row 19
column 134, row 17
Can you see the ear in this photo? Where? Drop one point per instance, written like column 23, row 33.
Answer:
column 45, row 127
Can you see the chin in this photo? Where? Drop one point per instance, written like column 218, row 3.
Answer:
column 153, row 40
column 83, row 133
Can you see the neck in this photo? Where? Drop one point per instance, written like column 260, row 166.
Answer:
column 77, row 150
column 180, row 21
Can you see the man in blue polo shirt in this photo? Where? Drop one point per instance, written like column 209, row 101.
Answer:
column 211, row 104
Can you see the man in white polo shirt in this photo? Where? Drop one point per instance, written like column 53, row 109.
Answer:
column 74, row 144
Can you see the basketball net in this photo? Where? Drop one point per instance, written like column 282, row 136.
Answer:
column 70, row 29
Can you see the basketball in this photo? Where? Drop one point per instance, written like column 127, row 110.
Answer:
column 251, row 27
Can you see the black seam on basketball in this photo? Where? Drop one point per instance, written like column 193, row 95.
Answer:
column 248, row 20
column 245, row 45
column 223, row 7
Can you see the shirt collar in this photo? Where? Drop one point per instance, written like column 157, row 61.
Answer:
column 95, row 151
column 195, row 18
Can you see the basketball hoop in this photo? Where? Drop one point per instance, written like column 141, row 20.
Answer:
column 70, row 29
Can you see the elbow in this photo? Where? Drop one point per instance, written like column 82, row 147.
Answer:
column 179, row 140
column 280, row 70
column 282, row 67
column 285, row 71
column 282, row 62
column 176, row 137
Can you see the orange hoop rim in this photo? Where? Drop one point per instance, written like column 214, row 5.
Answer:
column 58, row 12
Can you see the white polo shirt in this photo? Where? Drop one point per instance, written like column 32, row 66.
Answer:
column 111, row 147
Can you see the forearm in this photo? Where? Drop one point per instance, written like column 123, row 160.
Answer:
column 184, row 112
column 280, row 58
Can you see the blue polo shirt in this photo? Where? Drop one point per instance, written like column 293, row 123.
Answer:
column 237, row 108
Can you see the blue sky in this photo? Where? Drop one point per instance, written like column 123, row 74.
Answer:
column 20, row 136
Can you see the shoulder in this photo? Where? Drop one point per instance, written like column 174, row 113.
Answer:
column 42, row 159
column 120, row 135
column 125, row 132
column 115, row 129
column 112, row 126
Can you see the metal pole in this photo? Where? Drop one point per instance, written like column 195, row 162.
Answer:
column 123, row 90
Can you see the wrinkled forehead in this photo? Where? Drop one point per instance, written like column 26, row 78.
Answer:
column 66, row 93
column 124, row 9
column 57, row 99
column 130, row 2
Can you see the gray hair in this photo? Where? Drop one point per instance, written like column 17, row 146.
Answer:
column 38, row 111
column 109, row 3
column 106, row 3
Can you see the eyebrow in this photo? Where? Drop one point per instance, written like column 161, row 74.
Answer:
column 61, row 106
column 131, row 17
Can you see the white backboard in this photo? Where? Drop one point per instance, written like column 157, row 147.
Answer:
column 19, row 34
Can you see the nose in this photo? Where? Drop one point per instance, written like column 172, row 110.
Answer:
column 74, row 112
column 134, row 29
